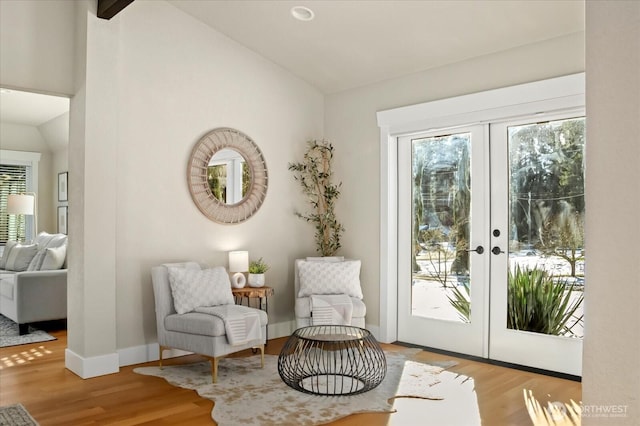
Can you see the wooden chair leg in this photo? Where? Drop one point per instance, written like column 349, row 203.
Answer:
column 214, row 363
column 162, row 348
column 214, row 370
column 261, row 347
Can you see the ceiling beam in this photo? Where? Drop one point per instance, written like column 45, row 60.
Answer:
column 107, row 9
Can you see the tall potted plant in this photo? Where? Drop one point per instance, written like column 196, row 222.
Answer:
column 315, row 176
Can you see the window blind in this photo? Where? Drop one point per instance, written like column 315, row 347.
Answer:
column 13, row 180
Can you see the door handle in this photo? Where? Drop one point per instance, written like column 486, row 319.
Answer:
column 496, row 250
column 478, row 250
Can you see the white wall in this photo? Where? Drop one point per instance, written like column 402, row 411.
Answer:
column 20, row 137
column 611, row 373
column 38, row 37
column 56, row 134
column 351, row 125
column 173, row 79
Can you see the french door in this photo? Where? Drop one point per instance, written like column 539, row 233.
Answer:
column 490, row 240
column 433, row 244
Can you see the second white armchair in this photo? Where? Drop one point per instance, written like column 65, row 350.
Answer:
column 327, row 291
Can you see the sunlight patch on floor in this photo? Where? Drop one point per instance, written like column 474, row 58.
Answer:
column 554, row 413
column 458, row 408
column 21, row 357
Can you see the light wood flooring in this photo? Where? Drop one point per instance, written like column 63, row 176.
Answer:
column 475, row 393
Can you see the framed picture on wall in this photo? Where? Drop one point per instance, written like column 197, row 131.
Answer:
column 62, row 219
column 63, row 194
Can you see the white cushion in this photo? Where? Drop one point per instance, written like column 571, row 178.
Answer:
column 193, row 288
column 45, row 241
column 20, row 257
column 329, row 278
column 54, row 258
column 5, row 254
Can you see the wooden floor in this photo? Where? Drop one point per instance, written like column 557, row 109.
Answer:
column 475, row 393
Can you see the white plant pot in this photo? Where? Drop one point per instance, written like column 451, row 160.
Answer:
column 256, row 280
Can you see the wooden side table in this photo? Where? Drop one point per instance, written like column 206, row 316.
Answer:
column 260, row 293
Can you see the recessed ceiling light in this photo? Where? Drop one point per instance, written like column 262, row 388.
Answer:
column 302, row 13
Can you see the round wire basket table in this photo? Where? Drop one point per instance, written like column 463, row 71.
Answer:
column 332, row 360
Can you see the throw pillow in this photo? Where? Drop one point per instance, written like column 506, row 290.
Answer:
column 5, row 254
column 54, row 258
column 45, row 241
column 20, row 257
column 194, row 288
column 330, row 278
column 36, row 262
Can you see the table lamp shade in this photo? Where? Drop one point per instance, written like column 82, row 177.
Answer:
column 238, row 261
column 21, row 204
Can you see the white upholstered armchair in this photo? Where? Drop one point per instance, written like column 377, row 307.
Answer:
column 328, row 292
column 200, row 332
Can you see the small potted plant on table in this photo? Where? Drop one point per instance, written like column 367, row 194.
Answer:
column 257, row 268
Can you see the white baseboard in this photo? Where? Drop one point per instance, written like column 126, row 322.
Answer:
column 146, row 353
column 151, row 352
column 281, row 329
column 138, row 354
column 95, row 366
column 375, row 330
column 111, row 363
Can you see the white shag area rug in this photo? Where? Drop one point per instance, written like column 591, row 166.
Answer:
column 249, row 395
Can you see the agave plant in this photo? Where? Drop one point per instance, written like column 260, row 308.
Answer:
column 536, row 302
column 461, row 301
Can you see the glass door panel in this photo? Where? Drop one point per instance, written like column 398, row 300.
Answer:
column 441, row 215
column 537, row 268
column 442, row 219
column 547, row 226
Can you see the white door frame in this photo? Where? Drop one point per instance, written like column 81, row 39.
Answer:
column 543, row 96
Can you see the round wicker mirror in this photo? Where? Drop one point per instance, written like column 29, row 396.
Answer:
column 199, row 176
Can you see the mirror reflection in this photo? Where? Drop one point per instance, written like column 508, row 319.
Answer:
column 229, row 176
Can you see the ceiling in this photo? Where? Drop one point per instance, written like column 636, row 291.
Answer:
column 34, row 109
column 355, row 43
column 30, row 109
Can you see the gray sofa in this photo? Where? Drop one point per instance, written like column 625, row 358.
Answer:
column 38, row 291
